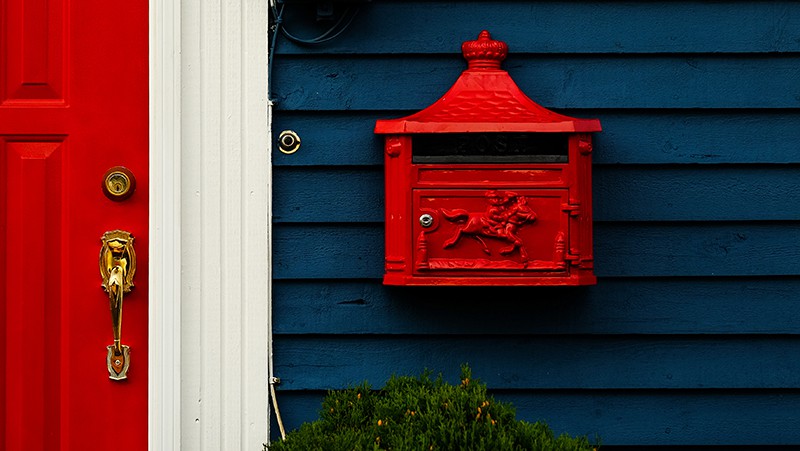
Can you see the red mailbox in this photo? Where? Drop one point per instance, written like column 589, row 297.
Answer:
column 486, row 187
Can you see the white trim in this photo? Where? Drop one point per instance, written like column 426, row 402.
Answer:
column 164, row 379
column 257, row 169
column 210, row 193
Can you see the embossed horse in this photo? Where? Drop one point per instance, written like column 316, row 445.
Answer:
column 507, row 212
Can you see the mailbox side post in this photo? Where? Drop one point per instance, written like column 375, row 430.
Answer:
column 397, row 160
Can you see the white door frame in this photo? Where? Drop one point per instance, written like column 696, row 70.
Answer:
column 210, row 209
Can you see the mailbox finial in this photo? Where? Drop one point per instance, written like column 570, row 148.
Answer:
column 485, row 52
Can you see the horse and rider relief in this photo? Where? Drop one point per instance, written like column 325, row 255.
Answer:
column 506, row 213
column 499, row 229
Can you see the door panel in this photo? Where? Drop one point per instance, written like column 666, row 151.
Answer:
column 34, row 68
column 73, row 103
column 35, row 322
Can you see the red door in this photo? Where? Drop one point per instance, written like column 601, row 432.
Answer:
column 73, row 103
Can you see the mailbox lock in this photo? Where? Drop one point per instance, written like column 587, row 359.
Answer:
column 426, row 220
column 288, row 142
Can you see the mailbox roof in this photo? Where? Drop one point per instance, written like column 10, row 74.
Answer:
column 485, row 99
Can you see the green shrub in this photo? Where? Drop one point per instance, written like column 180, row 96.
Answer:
column 422, row 413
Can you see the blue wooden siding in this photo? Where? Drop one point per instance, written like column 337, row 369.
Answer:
column 691, row 336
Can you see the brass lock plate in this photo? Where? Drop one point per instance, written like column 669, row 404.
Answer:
column 118, row 183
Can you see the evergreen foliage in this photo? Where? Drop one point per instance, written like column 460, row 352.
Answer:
column 423, row 413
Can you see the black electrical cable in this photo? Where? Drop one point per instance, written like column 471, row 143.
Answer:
column 327, row 36
column 349, row 14
column 332, row 33
column 275, row 32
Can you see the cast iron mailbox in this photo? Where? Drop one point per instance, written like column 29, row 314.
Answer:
column 486, row 187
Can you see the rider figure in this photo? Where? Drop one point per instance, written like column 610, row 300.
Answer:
column 497, row 214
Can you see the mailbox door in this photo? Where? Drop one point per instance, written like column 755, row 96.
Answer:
column 513, row 232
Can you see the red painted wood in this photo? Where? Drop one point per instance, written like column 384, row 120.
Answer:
column 512, row 218
column 34, row 49
column 73, row 102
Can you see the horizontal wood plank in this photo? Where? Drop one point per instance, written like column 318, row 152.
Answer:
column 554, row 27
column 629, row 137
column 621, row 193
column 636, row 418
column 545, row 362
column 613, row 306
column 578, row 81
column 697, row 249
column 738, row 193
column 334, row 251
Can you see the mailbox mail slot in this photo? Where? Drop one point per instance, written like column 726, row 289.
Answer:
column 486, row 187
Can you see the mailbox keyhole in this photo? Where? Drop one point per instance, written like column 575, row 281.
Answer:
column 426, row 220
